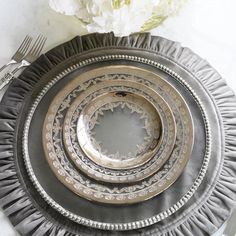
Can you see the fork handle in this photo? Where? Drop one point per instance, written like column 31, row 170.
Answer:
column 9, row 76
column 23, row 64
column 5, row 80
column 11, row 62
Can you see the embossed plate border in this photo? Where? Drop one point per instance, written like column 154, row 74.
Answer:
column 136, row 195
column 136, row 224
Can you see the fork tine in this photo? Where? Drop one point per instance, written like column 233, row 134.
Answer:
column 35, row 45
column 26, row 46
column 36, row 49
column 23, row 43
column 38, row 45
column 41, row 45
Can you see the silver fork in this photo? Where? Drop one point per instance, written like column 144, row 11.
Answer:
column 20, row 53
column 31, row 56
column 33, row 53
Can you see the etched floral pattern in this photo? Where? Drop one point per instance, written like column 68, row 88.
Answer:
column 133, row 108
column 144, row 188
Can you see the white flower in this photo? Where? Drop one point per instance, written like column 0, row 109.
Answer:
column 120, row 16
column 66, row 7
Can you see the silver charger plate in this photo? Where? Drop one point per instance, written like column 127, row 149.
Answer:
column 187, row 205
column 119, row 222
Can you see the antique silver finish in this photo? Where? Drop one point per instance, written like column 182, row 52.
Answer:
column 20, row 53
column 115, row 157
column 143, row 97
column 131, row 225
column 25, row 59
column 182, row 207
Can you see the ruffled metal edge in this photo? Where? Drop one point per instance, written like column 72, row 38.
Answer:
column 205, row 220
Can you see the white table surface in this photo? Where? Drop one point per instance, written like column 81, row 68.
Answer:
column 205, row 26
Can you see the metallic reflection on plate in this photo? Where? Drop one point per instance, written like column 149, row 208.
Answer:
column 118, row 121
column 107, row 96
column 126, row 140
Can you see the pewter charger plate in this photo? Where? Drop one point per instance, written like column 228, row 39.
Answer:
column 69, row 95
column 116, row 136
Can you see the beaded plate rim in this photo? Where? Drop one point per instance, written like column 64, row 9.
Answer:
column 118, row 226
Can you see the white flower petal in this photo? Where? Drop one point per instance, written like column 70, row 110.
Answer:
column 100, row 16
column 66, row 7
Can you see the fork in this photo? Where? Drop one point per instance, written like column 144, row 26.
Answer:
column 20, row 53
column 32, row 55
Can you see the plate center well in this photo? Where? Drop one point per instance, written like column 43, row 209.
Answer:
column 121, row 132
column 118, row 126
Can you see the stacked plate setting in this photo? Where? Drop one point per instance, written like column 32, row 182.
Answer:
column 118, row 136
column 114, row 135
column 122, row 168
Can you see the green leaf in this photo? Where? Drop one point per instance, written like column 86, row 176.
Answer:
column 116, row 4
column 152, row 23
column 127, row 2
